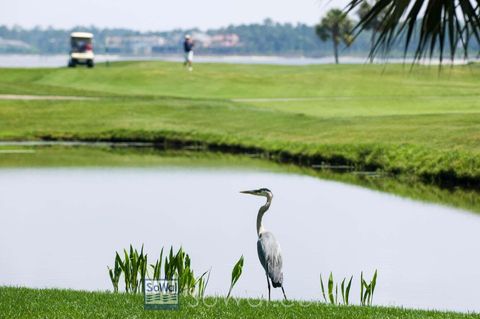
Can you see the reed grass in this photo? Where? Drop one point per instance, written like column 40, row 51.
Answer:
column 330, row 293
column 367, row 289
column 176, row 266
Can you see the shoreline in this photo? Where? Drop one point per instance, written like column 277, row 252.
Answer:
column 55, row 154
column 60, row 60
column 446, row 179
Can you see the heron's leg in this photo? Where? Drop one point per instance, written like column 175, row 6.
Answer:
column 268, row 283
column 284, row 295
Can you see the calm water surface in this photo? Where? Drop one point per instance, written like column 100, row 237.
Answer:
column 61, row 228
column 60, row 60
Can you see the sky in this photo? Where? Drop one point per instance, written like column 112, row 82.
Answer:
column 160, row 15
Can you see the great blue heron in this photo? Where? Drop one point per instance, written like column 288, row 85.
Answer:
column 267, row 246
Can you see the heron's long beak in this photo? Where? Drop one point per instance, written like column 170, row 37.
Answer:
column 248, row 192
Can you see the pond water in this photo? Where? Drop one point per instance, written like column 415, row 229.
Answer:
column 61, row 228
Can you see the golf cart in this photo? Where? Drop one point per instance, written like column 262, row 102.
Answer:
column 81, row 51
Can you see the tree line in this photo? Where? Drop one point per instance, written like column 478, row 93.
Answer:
column 416, row 28
column 266, row 38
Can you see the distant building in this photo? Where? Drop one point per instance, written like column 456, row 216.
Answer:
column 148, row 44
column 201, row 39
column 137, row 44
column 225, row 40
column 217, row 40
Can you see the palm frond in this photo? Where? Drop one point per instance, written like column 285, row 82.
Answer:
column 429, row 26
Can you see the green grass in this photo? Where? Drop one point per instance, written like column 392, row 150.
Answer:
column 417, row 125
column 255, row 81
column 421, row 123
column 51, row 303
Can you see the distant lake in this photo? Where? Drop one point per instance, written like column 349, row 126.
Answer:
column 52, row 61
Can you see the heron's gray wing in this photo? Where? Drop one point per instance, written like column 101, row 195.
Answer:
column 270, row 257
column 261, row 253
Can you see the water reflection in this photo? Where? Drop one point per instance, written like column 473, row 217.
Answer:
column 68, row 154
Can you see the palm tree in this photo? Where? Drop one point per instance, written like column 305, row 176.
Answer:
column 374, row 25
column 335, row 26
column 441, row 25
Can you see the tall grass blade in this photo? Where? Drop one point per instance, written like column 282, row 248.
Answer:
column 323, row 289
column 362, row 301
column 236, row 273
column 347, row 292
column 336, row 294
column 373, row 283
column 330, row 289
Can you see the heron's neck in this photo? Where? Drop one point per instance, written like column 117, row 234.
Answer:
column 261, row 212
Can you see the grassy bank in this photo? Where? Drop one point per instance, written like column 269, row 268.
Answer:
column 419, row 123
column 18, row 157
column 51, row 303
